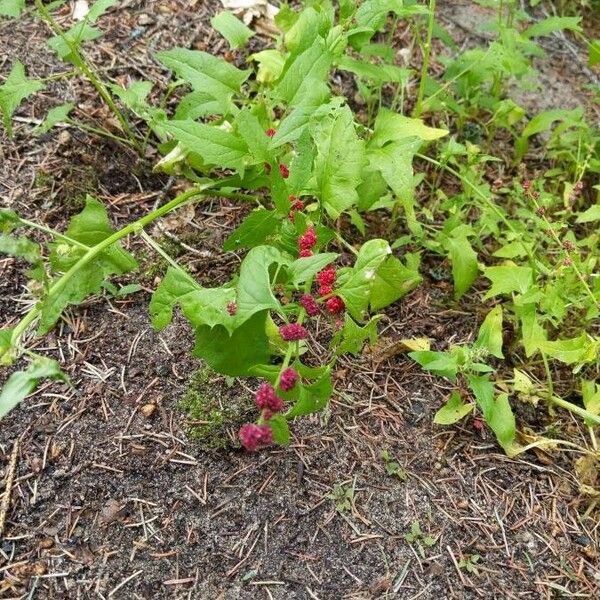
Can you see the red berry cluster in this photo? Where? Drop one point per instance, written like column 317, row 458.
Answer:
column 307, row 241
column 232, row 308
column 296, row 205
column 293, row 332
column 255, row 436
column 285, row 172
column 310, row 305
column 270, row 132
column 326, row 278
column 288, row 379
column 267, row 400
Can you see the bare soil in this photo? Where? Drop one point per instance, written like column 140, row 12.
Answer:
column 113, row 500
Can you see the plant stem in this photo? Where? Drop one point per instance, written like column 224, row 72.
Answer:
column 582, row 412
column 80, row 63
column 52, row 232
column 159, row 250
column 96, row 131
column 426, row 59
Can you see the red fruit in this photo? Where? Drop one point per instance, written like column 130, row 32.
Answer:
column 308, row 239
column 296, row 205
column 288, row 379
column 285, row 172
column 266, row 398
column 325, row 290
column 305, row 253
column 253, row 436
column 270, row 132
column 293, row 332
column 335, row 305
column 310, row 305
column 232, row 308
column 326, row 276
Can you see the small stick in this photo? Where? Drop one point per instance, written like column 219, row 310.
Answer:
column 10, row 477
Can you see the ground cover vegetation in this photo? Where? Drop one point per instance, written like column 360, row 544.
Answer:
column 518, row 231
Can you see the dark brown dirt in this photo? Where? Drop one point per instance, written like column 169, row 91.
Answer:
column 109, row 503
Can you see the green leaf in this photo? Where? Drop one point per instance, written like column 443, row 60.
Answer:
column 12, row 8
column 254, row 230
column 55, row 115
column 490, row 333
column 464, row 263
column 14, row 90
column 377, row 73
column 357, row 284
column 590, row 392
column 497, row 413
column 254, row 292
column 392, row 281
column 295, row 124
column 551, row 25
column 205, row 72
column 589, row 215
column 9, row 219
column 98, row 9
column 339, row 161
column 280, row 428
column 6, row 348
column 394, row 161
column 253, row 134
column 301, row 167
column 215, row 145
column 508, row 279
column 201, row 306
column 570, row 351
column 270, row 65
column 238, row 353
column 393, row 127
column 196, row 105
column 303, row 32
column 313, row 397
column 542, row 122
column 440, row 363
column 73, row 38
column 594, row 53
column 232, row 29
column 304, row 74
column 303, row 269
column 352, row 337
column 20, row 246
column 21, row 383
column 89, row 228
column 532, row 333
column 454, row 410
column 134, row 96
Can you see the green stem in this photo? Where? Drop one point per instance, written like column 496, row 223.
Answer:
column 80, row 63
column 52, row 232
column 96, row 131
column 160, row 250
column 426, row 59
column 575, row 409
